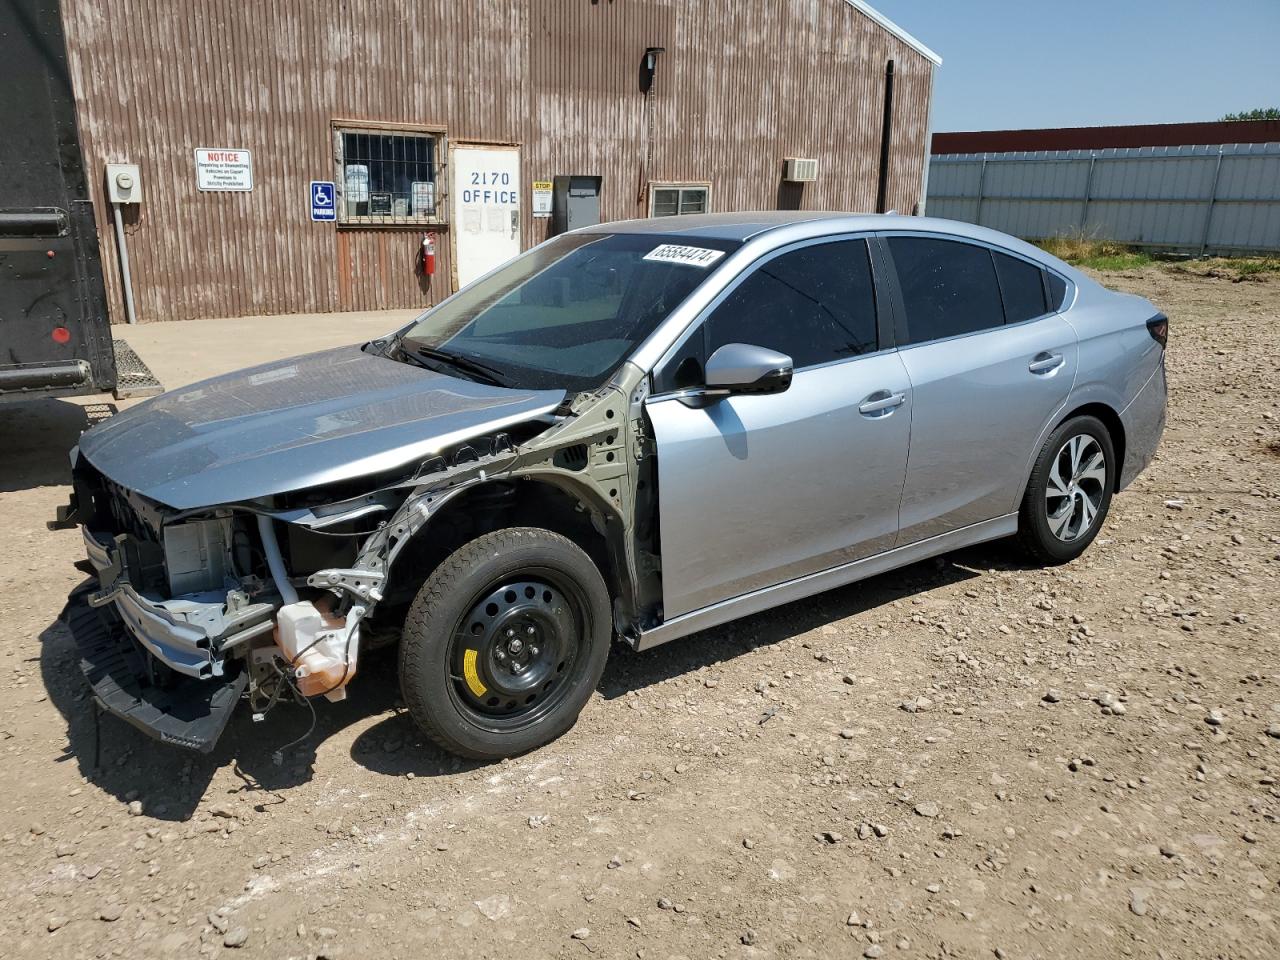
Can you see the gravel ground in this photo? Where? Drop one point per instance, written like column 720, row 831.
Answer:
column 965, row 758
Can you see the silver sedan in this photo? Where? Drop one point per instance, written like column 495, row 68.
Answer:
column 637, row 430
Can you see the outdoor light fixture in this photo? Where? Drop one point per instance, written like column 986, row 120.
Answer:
column 649, row 66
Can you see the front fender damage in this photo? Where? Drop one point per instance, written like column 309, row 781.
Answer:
column 592, row 452
column 275, row 599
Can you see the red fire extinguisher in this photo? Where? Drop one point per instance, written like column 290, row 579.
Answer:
column 427, row 256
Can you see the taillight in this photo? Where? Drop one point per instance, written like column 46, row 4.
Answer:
column 1158, row 327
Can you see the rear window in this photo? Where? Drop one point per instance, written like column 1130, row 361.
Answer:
column 1022, row 287
column 948, row 287
column 1057, row 291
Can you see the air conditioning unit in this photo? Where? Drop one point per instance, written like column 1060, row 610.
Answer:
column 800, row 170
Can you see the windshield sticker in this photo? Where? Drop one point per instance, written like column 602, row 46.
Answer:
column 688, row 256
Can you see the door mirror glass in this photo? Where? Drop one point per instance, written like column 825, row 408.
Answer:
column 744, row 368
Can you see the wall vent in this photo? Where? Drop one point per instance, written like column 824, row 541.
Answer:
column 800, row 170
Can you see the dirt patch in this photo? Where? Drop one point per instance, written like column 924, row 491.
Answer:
column 966, row 758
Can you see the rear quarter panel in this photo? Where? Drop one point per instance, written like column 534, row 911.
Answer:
column 1119, row 359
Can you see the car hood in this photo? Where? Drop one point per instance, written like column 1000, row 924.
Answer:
column 302, row 422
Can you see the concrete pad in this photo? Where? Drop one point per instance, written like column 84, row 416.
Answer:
column 35, row 437
column 182, row 352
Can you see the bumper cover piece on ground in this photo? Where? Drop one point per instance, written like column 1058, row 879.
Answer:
column 190, row 713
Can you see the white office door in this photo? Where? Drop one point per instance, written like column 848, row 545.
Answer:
column 485, row 208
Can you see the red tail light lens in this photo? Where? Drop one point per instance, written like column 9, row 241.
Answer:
column 1158, row 327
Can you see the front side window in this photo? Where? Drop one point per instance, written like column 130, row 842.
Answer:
column 565, row 314
column 815, row 304
column 948, row 287
column 1022, row 287
column 388, row 176
column 673, row 199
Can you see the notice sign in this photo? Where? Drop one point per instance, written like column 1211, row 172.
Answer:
column 423, row 193
column 542, row 199
column 222, row 168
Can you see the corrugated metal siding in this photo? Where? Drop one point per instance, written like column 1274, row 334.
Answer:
column 739, row 88
column 1210, row 199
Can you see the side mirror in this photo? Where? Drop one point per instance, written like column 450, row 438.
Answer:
column 744, row 368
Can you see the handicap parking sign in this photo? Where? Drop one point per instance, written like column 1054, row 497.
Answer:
column 322, row 200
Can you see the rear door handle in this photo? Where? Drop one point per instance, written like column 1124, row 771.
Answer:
column 881, row 402
column 1045, row 363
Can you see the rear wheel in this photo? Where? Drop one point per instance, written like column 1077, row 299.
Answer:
column 504, row 643
column 1069, row 492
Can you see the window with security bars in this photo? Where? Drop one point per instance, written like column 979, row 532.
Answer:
column 672, row 199
column 389, row 176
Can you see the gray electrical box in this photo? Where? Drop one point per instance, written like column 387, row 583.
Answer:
column 575, row 203
column 123, row 185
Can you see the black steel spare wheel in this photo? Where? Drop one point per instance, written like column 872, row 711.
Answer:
column 505, row 642
column 515, row 650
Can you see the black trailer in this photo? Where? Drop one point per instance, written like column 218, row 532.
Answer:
column 55, row 335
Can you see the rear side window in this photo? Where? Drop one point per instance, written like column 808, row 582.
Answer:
column 1022, row 287
column 815, row 304
column 1057, row 291
column 948, row 287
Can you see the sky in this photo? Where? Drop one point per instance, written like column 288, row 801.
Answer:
column 1010, row 64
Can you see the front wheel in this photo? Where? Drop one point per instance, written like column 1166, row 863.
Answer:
column 1069, row 492
column 504, row 643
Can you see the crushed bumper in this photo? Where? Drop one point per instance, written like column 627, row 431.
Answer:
column 185, row 711
column 186, row 634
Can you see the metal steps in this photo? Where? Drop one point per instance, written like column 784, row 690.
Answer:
column 133, row 377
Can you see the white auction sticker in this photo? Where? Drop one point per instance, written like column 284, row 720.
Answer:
column 689, row 256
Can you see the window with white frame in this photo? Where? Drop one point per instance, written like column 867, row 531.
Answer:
column 672, row 199
column 388, row 175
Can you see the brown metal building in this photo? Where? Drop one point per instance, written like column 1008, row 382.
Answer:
column 407, row 109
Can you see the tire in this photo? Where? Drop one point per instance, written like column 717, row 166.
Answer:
column 1052, row 526
column 505, row 643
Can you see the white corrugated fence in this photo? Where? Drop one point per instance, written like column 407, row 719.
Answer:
column 1195, row 199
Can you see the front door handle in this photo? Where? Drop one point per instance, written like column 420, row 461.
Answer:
column 881, row 402
column 1045, row 363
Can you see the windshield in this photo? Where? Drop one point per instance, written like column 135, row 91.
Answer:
column 566, row 314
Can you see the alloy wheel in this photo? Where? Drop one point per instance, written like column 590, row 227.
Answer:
column 1075, row 488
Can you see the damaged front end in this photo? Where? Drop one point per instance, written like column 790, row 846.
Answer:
column 157, row 634
column 272, row 599
column 188, row 614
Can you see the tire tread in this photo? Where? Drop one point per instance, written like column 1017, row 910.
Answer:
column 420, row 622
column 1029, row 539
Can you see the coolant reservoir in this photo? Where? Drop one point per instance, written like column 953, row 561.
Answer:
column 318, row 644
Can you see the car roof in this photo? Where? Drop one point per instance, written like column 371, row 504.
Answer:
column 747, row 225
column 717, row 226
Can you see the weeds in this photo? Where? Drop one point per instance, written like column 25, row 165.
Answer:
column 1234, row 269
column 1083, row 251
column 1110, row 256
column 1250, row 268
